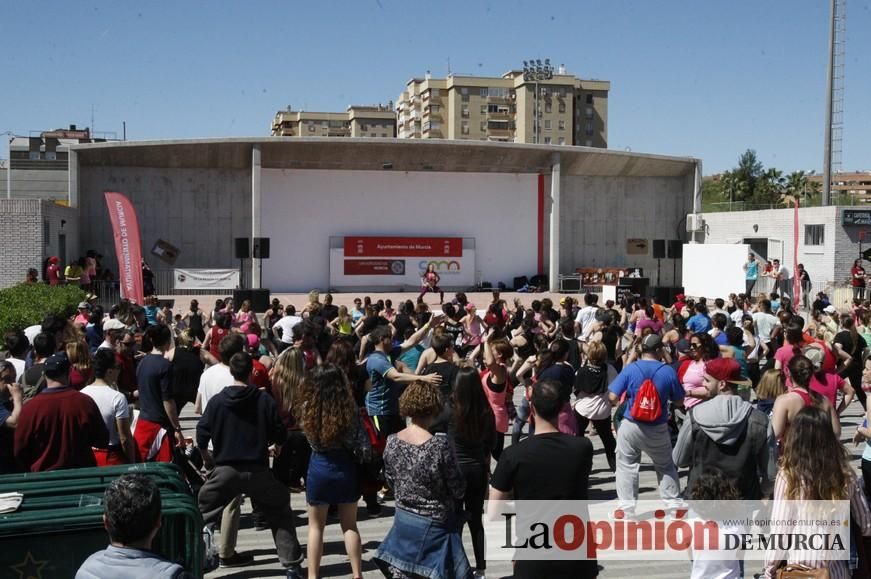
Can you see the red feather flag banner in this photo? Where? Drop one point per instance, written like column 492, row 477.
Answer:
column 128, row 247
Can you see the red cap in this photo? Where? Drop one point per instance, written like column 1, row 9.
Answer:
column 726, row 369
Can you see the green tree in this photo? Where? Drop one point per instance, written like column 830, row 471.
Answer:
column 770, row 187
column 748, row 173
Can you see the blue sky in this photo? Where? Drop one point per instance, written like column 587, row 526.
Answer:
column 708, row 78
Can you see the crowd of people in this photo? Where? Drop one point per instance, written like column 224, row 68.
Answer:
column 399, row 402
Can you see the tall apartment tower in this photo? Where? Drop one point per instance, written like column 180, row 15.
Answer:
column 560, row 110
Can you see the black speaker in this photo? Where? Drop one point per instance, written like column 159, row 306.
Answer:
column 261, row 248
column 259, row 300
column 675, row 249
column 665, row 296
column 242, row 249
column 638, row 285
column 239, row 296
column 658, row 249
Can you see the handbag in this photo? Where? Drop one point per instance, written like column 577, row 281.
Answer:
column 796, row 571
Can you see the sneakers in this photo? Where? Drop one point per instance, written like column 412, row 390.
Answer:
column 373, row 509
column 478, row 575
column 295, row 572
column 237, row 560
column 385, row 495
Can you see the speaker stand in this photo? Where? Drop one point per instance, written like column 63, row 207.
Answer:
column 241, row 275
column 658, row 266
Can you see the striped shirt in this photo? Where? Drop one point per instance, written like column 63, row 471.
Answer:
column 815, row 559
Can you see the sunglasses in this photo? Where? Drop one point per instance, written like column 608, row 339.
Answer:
column 695, row 346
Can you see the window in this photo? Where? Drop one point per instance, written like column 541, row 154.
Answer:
column 484, row 126
column 562, row 140
column 484, row 92
column 46, row 232
column 311, row 128
column 589, row 112
column 372, row 135
column 497, row 92
column 562, row 107
column 589, row 99
column 547, row 140
column 434, row 109
column 384, row 135
column 364, row 128
column 547, row 124
column 464, row 94
column 34, row 155
column 464, row 129
column 547, row 107
column 492, row 108
column 51, row 156
column 588, row 127
column 814, row 234
column 562, row 91
column 483, row 109
column 589, row 143
column 465, row 112
column 562, row 125
column 434, row 92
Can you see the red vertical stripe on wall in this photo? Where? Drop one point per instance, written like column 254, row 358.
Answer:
column 540, row 223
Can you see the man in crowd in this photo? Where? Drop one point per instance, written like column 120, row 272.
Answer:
column 113, row 331
column 283, row 328
column 132, row 519
column 700, row 322
column 767, row 328
column 726, row 433
column 243, row 425
column 329, row 312
column 549, row 465
column 586, row 316
column 751, row 273
column 59, row 427
column 651, row 437
column 213, row 381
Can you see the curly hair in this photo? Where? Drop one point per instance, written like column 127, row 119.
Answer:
column 287, row 377
column 420, row 400
column 815, row 465
column 328, row 411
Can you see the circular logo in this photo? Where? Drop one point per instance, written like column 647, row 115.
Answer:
column 397, row 267
column 181, row 277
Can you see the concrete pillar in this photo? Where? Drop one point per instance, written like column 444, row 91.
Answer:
column 255, row 213
column 73, row 195
column 553, row 260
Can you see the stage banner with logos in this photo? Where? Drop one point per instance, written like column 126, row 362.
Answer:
column 399, row 262
column 194, row 279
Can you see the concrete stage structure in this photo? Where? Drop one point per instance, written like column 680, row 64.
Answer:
column 522, row 209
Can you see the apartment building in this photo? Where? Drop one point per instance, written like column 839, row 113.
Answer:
column 378, row 121
column 560, row 110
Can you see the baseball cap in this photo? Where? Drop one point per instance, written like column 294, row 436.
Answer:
column 57, row 366
column 253, row 341
column 815, row 355
column 651, row 343
column 726, row 369
column 679, row 297
column 84, row 306
column 113, row 324
column 830, row 309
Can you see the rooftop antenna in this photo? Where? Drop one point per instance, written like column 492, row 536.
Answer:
column 92, row 118
column 449, row 66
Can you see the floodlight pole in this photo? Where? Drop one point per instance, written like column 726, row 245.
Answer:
column 830, row 80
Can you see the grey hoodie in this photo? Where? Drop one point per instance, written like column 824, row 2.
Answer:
column 725, row 418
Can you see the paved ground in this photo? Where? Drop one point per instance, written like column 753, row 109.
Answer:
column 372, row 530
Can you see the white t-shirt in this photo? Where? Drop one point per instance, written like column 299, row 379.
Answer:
column 737, row 316
column 32, row 331
column 19, row 368
column 286, row 324
column 213, row 381
column 765, row 324
column 585, row 317
column 113, row 406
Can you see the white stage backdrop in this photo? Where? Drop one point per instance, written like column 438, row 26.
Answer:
column 714, row 270
column 302, row 209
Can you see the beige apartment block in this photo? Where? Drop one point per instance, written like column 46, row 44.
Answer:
column 378, row 121
column 562, row 110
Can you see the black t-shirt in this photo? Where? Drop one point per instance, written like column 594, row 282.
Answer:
column 448, row 372
column 369, row 324
column 553, row 466
column 455, row 330
column 846, row 341
column 562, row 373
column 154, row 377
column 329, row 312
column 186, row 371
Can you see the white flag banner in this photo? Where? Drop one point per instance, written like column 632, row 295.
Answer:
column 194, row 279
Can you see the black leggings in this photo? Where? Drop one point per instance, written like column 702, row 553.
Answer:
column 291, row 466
column 603, row 429
column 473, row 504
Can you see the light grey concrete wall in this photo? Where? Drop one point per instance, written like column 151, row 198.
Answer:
column 599, row 214
column 61, row 221
column 200, row 211
column 36, row 184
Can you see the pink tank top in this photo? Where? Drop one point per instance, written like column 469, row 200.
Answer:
column 497, row 402
column 694, row 377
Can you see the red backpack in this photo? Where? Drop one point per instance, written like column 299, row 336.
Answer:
column 646, row 406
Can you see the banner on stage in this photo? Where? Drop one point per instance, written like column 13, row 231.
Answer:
column 202, row 279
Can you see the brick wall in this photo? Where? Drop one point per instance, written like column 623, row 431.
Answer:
column 20, row 239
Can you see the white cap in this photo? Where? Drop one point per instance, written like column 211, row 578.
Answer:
column 113, row 324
